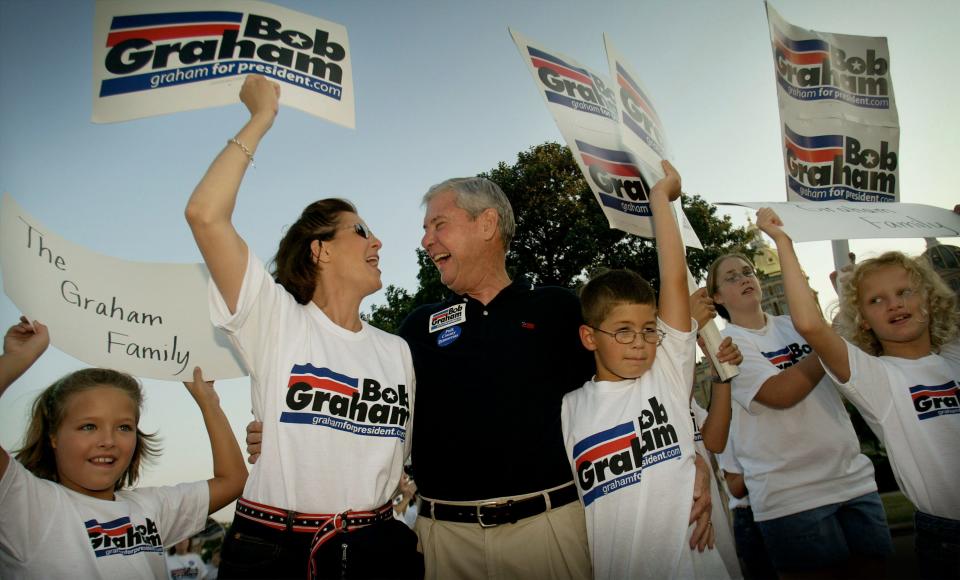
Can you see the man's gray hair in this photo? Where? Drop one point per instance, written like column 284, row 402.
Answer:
column 475, row 194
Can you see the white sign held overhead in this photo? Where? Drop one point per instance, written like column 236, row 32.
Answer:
column 148, row 319
column 583, row 104
column 809, row 222
column 820, row 74
column 837, row 160
column 152, row 58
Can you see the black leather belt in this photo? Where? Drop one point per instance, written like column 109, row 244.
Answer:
column 490, row 514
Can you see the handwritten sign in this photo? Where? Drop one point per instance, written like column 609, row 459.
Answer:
column 153, row 58
column 808, row 222
column 150, row 320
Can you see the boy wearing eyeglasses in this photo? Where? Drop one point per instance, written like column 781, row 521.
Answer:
column 627, row 432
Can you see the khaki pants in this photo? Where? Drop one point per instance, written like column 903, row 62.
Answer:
column 546, row 546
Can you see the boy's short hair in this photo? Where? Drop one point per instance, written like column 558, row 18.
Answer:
column 609, row 288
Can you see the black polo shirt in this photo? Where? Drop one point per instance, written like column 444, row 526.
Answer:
column 489, row 389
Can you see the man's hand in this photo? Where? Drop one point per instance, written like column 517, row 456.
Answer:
column 703, row 535
column 254, row 438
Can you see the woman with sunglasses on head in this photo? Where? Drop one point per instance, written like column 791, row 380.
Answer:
column 813, row 494
column 335, row 395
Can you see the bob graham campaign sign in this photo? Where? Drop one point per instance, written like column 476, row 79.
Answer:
column 152, row 58
column 837, row 160
column 831, row 75
column 148, row 319
column 641, row 130
column 584, row 106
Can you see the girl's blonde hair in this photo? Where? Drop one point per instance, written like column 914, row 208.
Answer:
column 939, row 302
column 49, row 409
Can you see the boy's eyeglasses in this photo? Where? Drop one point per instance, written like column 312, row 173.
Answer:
column 649, row 335
column 737, row 276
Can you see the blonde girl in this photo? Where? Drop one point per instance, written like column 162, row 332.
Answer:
column 67, row 509
column 897, row 358
column 813, row 493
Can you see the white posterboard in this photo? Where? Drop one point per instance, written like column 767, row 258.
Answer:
column 148, row 319
column 821, row 75
column 838, row 160
column 809, row 222
column 583, row 105
column 152, row 58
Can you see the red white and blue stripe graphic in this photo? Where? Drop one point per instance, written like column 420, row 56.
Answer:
column 621, row 164
column 612, row 161
column 779, row 357
column 604, row 443
column 540, row 60
column 937, row 400
column 627, row 83
column 323, row 378
column 114, row 528
column 630, row 86
column 171, row 25
column 119, row 538
column 801, row 52
column 816, row 149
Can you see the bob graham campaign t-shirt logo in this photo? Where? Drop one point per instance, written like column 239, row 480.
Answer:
column 615, row 458
column 323, row 397
column 935, row 401
column 788, row 355
column 120, row 537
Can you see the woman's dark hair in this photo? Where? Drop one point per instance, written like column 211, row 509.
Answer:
column 294, row 267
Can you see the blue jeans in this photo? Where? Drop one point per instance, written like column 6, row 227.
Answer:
column 937, row 546
column 753, row 555
column 828, row 535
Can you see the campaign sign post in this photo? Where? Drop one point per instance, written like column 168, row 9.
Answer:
column 152, row 58
column 148, row 319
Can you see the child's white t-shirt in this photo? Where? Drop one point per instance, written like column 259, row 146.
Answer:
column 616, row 432
column 914, row 408
column 722, row 527
column 799, row 458
column 49, row 531
column 336, row 405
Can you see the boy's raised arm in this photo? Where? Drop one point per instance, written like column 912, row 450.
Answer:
column 804, row 310
column 671, row 254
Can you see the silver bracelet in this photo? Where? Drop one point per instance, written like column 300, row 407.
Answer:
column 243, row 148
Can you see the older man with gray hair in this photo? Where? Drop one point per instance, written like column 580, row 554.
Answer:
column 493, row 362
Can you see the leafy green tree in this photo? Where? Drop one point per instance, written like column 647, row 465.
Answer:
column 562, row 235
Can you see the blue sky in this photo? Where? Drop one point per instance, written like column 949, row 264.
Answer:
column 441, row 92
